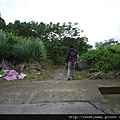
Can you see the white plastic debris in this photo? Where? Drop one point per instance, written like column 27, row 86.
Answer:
column 21, row 76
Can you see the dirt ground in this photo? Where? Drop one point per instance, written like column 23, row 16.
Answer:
column 60, row 74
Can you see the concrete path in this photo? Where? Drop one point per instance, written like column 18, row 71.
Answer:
column 55, row 97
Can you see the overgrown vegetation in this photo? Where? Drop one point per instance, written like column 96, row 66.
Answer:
column 19, row 49
column 28, row 50
column 104, row 59
column 87, row 75
column 23, row 44
column 56, row 37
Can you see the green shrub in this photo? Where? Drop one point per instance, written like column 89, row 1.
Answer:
column 104, row 59
column 19, row 49
column 28, row 50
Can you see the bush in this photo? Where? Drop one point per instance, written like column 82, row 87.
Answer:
column 28, row 50
column 104, row 59
column 19, row 49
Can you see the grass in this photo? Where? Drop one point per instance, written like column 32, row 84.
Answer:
column 82, row 75
column 85, row 74
column 35, row 75
column 35, row 72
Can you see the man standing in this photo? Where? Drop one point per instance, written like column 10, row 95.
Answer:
column 70, row 60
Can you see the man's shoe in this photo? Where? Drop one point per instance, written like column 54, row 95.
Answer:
column 68, row 79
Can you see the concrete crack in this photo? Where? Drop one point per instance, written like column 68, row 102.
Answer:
column 98, row 108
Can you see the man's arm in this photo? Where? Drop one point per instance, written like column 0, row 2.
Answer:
column 67, row 57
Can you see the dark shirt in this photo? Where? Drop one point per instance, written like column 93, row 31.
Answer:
column 68, row 54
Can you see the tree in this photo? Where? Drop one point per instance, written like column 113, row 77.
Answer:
column 56, row 37
column 106, row 43
column 2, row 23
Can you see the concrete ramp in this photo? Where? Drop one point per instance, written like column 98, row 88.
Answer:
column 54, row 97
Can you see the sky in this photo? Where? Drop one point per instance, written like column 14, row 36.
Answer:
column 100, row 19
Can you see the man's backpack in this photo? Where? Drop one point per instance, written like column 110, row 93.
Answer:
column 73, row 56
